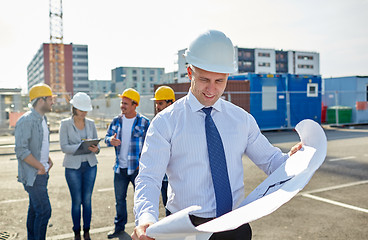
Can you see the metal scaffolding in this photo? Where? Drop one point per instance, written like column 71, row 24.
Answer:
column 56, row 52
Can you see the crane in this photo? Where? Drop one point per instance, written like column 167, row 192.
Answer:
column 56, row 51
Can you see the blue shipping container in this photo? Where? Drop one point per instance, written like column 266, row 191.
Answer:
column 283, row 100
column 305, row 98
column 268, row 100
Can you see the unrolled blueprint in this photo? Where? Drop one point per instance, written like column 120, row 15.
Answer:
column 282, row 185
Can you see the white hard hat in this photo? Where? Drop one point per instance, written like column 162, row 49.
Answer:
column 212, row 51
column 82, row 102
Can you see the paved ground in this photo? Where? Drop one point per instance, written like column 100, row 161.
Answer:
column 332, row 206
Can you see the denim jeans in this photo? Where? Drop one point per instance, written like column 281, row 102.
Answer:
column 39, row 210
column 121, row 182
column 81, row 182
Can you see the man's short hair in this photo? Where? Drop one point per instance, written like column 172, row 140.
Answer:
column 34, row 101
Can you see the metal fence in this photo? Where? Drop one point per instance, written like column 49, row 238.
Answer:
column 272, row 110
column 345, row 107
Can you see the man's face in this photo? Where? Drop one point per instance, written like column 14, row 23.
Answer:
column 161, row 105
column 47, row 103
column 127, row 106
column 206, row 86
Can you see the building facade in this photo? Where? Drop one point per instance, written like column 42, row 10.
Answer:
column 261, row 60
column 75, row 68
column 140, row 78
column 10, row 101
column 303, row 63
column 182, row 67
column 170, row 77
column 80, row 68
column 98, row 88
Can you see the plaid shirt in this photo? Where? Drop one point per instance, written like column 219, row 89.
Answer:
column 139, row 131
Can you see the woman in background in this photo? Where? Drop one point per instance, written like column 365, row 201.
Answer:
column 80, row 170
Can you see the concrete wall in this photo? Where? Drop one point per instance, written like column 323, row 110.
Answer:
column 107, row 108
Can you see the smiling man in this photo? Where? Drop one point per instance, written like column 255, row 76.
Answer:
column 126, row 133
column 199, row 142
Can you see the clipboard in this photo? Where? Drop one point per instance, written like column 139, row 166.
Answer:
column 85, row 144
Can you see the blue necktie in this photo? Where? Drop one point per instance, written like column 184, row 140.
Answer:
column 216, row 155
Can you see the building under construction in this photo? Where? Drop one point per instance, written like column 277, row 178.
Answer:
column 64, row 67
column 73, row 75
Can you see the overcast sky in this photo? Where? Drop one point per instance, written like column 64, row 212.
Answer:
column 149, row 33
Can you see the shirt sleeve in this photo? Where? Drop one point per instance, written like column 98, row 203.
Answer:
column 94, row 135
column 110, row 133
column 22, row 138
column 152, row 167
column 146, row 128
column 64, row 141
column 261, row 151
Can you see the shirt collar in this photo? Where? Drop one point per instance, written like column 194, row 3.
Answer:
column 37, row 114
column 195, row 105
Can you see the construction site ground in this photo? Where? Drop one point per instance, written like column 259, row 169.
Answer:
column 332, row 206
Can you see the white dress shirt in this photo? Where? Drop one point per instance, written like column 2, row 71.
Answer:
column 176, row 144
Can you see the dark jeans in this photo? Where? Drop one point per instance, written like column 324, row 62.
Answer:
column 164, row 195
column 80, row 182
column 39, row 210
column 121, row 182
column 243, row 232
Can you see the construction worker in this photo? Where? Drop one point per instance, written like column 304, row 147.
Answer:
column 32, row 140
column 126, row 133
column 164, row 97
column 199, row 143
column 80, row 170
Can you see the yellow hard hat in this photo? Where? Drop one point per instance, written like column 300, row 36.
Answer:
column 131, row 94
column 40, row 90
column 164, row 93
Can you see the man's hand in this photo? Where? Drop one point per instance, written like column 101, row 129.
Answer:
column 295, row 148
column 31, row 160
column 41, row 170
column 139, row 232
column 114, row 141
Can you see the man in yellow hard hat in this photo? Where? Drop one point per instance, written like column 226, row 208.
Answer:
column 126, row 133
column 199, row 143
column 32, row 140
column 164, row 97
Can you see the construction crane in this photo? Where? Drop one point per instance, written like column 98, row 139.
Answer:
column 56, row 54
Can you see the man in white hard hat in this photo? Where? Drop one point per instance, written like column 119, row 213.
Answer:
column 126, row 134
column 32, row 141
column 199, row 143
column 164, row 97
